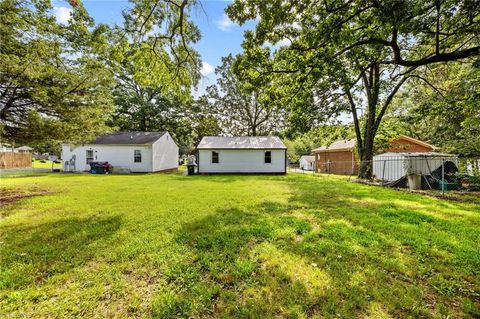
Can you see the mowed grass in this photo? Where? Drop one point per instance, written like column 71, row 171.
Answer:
column 46, row 164
column 167, row 246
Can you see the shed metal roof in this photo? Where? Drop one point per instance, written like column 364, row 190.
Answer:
column 241, row 142
column 128, row 138
column 342, row 145
column 414, row 154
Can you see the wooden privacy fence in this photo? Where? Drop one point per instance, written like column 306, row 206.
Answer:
column 11, row 160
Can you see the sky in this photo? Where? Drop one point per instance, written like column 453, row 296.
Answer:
column 220, row 36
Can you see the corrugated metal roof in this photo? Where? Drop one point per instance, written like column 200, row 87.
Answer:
column 127, row 138
column 414, row 154
column 241, row 142
column 342, row 145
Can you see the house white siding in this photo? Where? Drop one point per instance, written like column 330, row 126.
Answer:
column 241, row 161
column 165, row 154
column 120, row 156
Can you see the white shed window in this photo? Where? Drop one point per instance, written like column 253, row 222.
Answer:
column 137, row 156
column 89, row 156
column 268, row 157
column 215, row 158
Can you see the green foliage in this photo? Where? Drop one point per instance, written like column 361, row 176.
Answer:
column 82, row 245
column 356, row 54
column 52, row 85
column 303, row 144
column 155, row 69
column 240, row 107
column 445, row 112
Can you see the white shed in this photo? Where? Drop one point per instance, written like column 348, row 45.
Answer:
column 307, row 162
column 393, row 166
column 125, row 151
column 250, row 154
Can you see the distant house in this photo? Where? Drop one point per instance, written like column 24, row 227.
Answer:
column 307, row 162
column 127, row 151
column 340, row 156
column 250, row 154
column 24, row 149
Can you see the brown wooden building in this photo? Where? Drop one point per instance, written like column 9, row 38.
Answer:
column 340, row 156
column 407, row 144
column 336, row 158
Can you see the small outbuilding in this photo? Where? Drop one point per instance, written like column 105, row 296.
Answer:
column 336, row 158
column 246, row 154
column 125, row 151
column 307, row 162
column 340, row 156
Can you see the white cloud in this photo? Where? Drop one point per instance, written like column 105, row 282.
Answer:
column 225, row 24
column 62, row 14
column 206, row 69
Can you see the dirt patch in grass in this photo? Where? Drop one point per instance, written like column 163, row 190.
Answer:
column 10, row 196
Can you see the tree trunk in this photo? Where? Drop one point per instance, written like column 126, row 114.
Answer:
column 366, row 156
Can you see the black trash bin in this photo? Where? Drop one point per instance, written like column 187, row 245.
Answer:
column 100, row 167
column 191, row 169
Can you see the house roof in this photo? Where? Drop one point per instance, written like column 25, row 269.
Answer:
column 342, row 145
column 308, row 158
column 128, row 138
column 24, row 148
column 241, row 142
column 416, row 141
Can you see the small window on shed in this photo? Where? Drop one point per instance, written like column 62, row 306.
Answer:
column 137, row 156
column 268, row 157
column 215, row 158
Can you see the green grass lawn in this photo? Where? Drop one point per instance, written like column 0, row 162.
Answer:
column 48, row 164
column 166, row 245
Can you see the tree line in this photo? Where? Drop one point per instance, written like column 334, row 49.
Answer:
column 389, row 67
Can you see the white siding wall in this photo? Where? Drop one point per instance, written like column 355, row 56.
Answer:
column 305, row 165
column 120, row 156
column 165, row 154
column 241, row 161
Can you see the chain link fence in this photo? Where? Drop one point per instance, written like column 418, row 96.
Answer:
column 415, row 171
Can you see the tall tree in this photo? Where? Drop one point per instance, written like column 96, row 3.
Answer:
column 445, row 112
column 358, row 54
column 52, row 86
column 155, row 68
column 240, row 107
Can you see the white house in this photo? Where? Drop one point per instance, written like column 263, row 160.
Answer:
column 307, row 162
column 393, row 166
column 125, row 151
column 250, row 154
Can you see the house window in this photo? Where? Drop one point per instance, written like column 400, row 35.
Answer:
column 137, row 156
column 89, row 156
column 215, row 158
column 268, row 157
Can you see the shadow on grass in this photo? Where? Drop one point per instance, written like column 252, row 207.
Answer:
column 33, row 254
column 321, row 254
